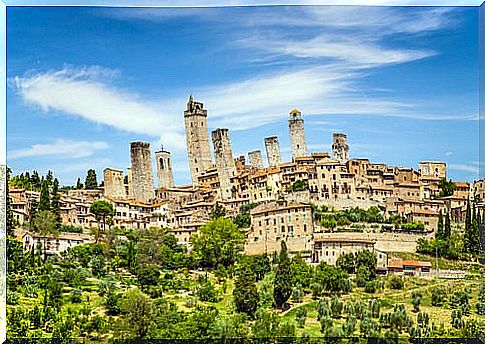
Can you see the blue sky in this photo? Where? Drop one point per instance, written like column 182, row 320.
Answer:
column 401, row 82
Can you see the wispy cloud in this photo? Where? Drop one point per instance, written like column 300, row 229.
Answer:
column 88, row 93
column 62, row 148
column 471, row 168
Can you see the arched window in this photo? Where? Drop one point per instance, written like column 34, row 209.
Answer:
column 161, row 163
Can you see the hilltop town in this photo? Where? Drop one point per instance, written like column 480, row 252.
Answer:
column 280, row 199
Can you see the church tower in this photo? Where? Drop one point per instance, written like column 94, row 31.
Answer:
column 164, row 169
column 197, row 138
column 297, row 134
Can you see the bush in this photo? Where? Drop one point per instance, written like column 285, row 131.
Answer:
column 301, row 314
column 438, row 296
column 396, row 282
column 370, row 287
column 76, row 296
column 207, row 292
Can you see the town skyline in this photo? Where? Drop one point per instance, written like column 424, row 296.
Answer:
column 90, row 104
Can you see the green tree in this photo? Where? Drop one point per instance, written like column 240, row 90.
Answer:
column 447, row 187
column 79, row 185
column 301, row 314
column 138, row 314
column 439, row 230
column 283, row 278
column 46, row 225
column 91, row 181
column 44, row 201
column 299, row 185
column 245, row 293
column 10, row 220
column 332, row 279
column 471, row 242
column 219, row 242
column 438, row 296
column 346, row 262
column 55, row 202
column 102, row 211
column 416, row 298
column 447, row 230
column 217, row 211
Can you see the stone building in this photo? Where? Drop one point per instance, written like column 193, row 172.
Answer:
column 129, row 190
column 432, row 169
column 256, row 158
column 164, row 169
column 328, row 249
column 278, row 221
column 141, row 170
column 224, row 160
column 340, row 148
column 272, row 150
column 297, row 134
column 197, row 138
column 114, row 185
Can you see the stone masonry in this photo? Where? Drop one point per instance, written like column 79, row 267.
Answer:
column 224, row 160
column 272, row 150
column 197, row 138
column 340, row 148
column 164, row 169
column 141, row 168
column 256, row 158
column 114, row 183
column 297, row 134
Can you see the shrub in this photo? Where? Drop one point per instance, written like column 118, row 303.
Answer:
column 370, row 287
column 396, row 282
column 76, row 296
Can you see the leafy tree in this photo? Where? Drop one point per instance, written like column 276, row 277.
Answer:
column 460, row 300
column 447, row 187
column 246, row 297
column 219, row 242
column 148, row 275
column 259, row 264
column 332, row 279
column 45, row 224
column 283, row 278
column 301, row 271
column 299, row 185
column 346, row 262
column 138, row 314
column 102, row 211
column 206, row 290
column 91, row 181
column 217, row 211
column 396, row 282
column 297, row 293
column 336, row 306
column 243, row 219
column 112, row 303
column 266, row 324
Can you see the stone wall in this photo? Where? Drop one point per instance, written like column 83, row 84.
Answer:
column 141, row 170
column 272, row 150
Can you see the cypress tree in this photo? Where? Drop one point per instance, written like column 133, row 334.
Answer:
column 55, row 202
column 79, row 185
column 245, row 293
column 439, row 231
column 447, row 231
column 283, row 278
column 91, row 181
column 35, row 181
column 44, row 201
column 471, row 240
column 49, row 178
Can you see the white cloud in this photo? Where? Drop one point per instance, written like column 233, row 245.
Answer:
column 471, row 168
column 61, row 148
column 85, row 93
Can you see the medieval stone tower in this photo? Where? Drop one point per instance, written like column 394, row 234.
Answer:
column 224, row 160
column 272, row 150
column 340, row 148
column 164, row 169
column 129, row 189
column 297, row 134
column 114, row 185
column 141, row 170
column 256, row 158
column 196, row 134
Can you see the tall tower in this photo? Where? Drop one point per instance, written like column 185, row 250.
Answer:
column 164, row 169
column 272, row 150
column 114, row 184
column 141, row 170
column 197, row 137
column 224, row 160
column 256, row 158
column 340, row 148
column 297, row 134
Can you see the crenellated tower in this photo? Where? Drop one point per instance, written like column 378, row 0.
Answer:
column 141, row 172
column 224, row 160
